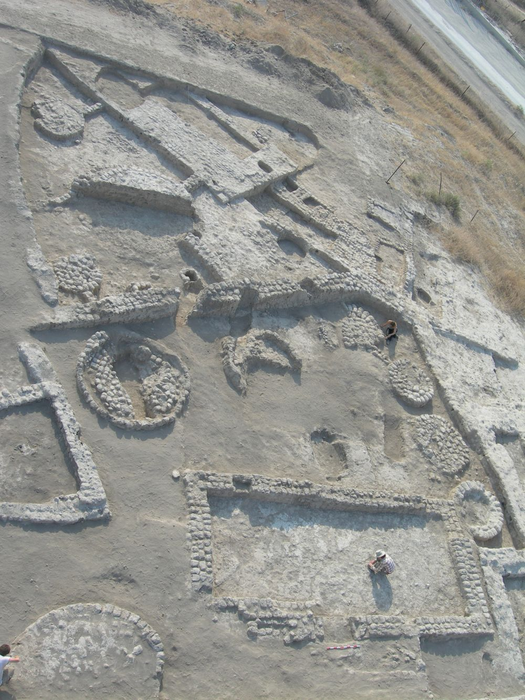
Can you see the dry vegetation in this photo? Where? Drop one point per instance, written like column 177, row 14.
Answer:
column 479, row 170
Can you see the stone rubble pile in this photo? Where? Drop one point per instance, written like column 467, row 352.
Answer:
column 441, row 444
column 78, row 274
column 294, row 622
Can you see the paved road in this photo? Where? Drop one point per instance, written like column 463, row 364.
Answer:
column 473, row 52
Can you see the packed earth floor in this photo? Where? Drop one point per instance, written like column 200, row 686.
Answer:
column 204, row 436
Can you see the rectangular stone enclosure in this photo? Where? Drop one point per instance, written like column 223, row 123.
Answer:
column 279, row 543
column 33, row 462
column 290, row 552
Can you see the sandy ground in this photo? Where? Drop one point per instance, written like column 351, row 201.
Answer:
column 287, row 425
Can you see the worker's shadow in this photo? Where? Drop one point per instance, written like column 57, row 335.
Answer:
column 5, row 694
column 391, row 347
column 382, row 591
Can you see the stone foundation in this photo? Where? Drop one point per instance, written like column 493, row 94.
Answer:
column 201, row 486
column 89, row 502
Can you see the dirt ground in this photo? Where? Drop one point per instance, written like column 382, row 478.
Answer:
column 307, row 396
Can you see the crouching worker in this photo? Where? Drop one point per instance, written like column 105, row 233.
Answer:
column 382, row 564
column 5, row 673
column 390, row 330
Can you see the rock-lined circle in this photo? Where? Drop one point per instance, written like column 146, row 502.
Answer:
column 474, row 492
column 411, row 383
column 360, row 331
column 90, row 649
column 57, row 119
column 162, row 383
column 441, row 444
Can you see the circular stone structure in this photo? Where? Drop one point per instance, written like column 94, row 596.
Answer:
column 191, row 280
column 57, row 119
column 360, row 331
column 411, row 383
column 157, row 386
column 89, row 650
column 481, row 510
column 441, row 444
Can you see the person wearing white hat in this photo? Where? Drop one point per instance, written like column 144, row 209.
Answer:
column 382, row 564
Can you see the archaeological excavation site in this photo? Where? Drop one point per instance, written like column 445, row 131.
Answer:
column 262, row 324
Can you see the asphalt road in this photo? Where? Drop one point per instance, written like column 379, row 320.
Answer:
column 474, row 53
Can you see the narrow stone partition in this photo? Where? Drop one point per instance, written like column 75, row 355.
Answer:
column 261, row 545
column 134, row 306
column 504, row 573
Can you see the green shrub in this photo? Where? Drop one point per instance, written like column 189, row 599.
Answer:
column 450, row 201
column 416, row 179
column 487, row 166
column 238, row 10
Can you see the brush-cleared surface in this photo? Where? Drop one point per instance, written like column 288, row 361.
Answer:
column 207, row 181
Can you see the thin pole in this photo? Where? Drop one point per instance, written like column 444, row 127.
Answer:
column 465, row 90
column 420, row 47
column 474, row 216
column 440, row 183
column 395, row 171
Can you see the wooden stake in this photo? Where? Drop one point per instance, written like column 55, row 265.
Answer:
column 395, row 171
column 411, row 25
column 511, row 136
column 465, row 90
column 420, row 47
column 474, row 216
column 388, row 15
column 440, row 183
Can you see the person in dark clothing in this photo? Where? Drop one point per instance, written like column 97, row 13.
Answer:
column 390, row 330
